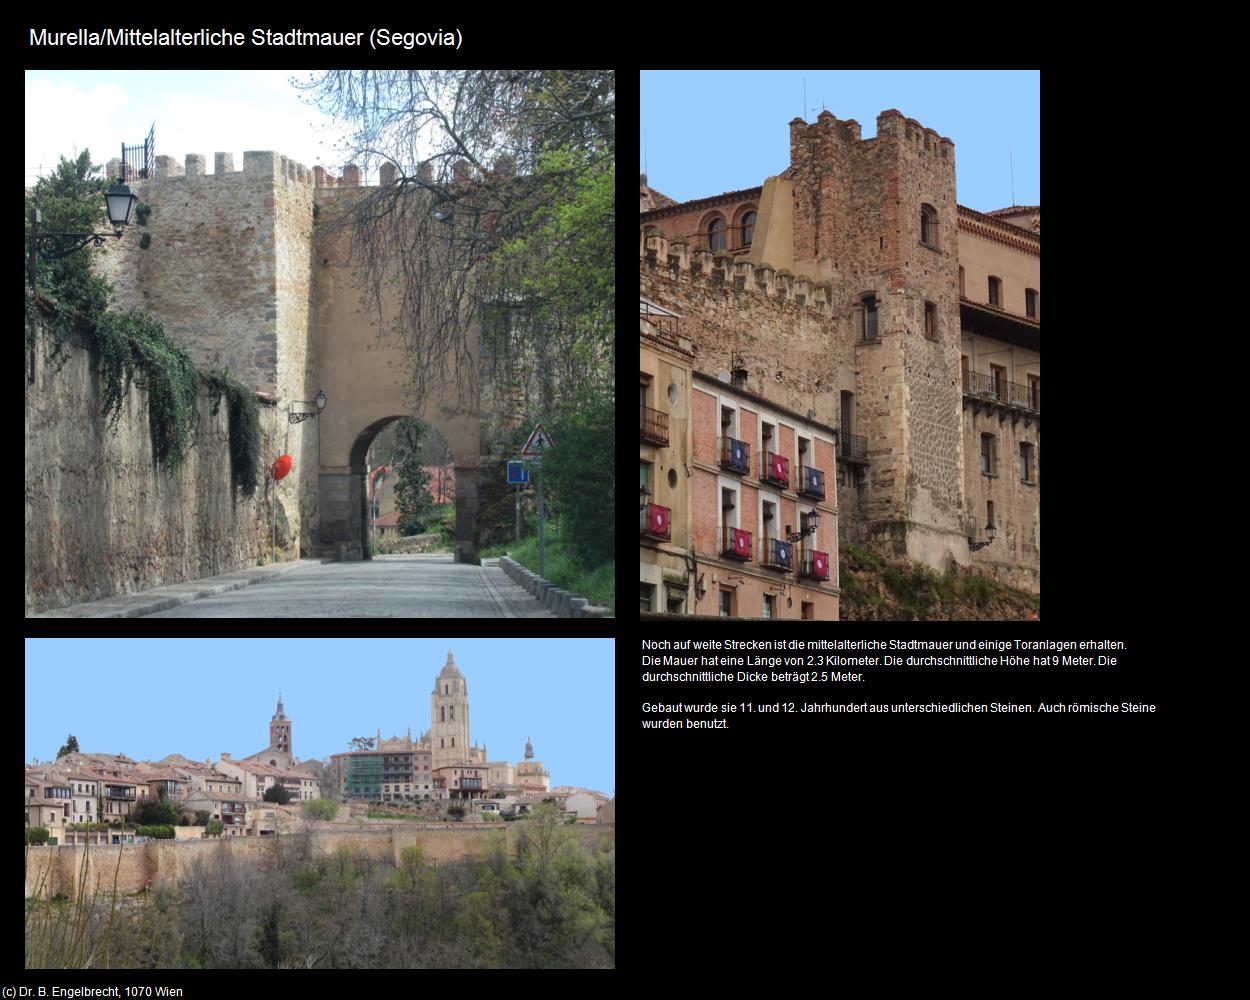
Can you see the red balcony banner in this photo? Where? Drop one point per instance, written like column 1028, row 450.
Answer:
column 781, row 468
column 742, row 543
column 659, row 520
column 820, row 565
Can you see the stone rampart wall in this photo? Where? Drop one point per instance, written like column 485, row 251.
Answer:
column 101, row 517
column 52, row 870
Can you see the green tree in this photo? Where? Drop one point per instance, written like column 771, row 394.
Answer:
column 360, row 743
column 154, row 812
column 412, row 494
column 278, row 794
column 37, row 834
column 201, row 817
column 70, row 200
column 215, row 828
column 71, row 746
column 581, row 475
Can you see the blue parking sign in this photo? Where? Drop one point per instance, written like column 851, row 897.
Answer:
column 518, row 473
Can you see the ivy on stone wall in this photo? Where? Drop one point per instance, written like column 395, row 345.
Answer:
column 132, row 346
column 244, row 426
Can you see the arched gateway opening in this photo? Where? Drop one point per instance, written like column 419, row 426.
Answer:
column 345, row 511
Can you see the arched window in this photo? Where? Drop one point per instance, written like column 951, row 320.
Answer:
column 716, row 234
column 451, row 713
column 996, row 291
column 442, row 714
column 928, row 226
column 748, row 228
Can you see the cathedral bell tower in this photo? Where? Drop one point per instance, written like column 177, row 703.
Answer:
column 280, row 729
column 449, row 717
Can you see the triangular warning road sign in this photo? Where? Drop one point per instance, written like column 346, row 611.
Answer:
column 539, row 442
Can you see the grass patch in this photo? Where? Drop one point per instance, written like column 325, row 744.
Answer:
column 598, row 584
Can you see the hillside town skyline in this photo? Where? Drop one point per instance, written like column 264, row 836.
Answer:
column 566, row 713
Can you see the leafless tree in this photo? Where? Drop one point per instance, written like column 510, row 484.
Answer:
column 468, row 150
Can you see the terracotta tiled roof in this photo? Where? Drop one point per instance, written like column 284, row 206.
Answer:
column 1015, row 210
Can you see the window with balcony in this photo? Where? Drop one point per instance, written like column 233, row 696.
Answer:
column 652, row 423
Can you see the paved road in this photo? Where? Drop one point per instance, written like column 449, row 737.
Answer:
column 424, row 586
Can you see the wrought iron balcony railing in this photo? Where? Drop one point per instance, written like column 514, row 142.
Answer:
column 776, row 554
column 652, row 425
column 852, row 446
column 811, row 483
column 1000, row 390
column 736, row 544
column 775, row 469
column 653, row 521
column 735, row 455
column 815, row 565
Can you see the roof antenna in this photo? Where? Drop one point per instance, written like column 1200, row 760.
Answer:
column 804, row 113
column 644, row 153
column 1012, row 161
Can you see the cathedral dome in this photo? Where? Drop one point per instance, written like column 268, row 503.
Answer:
column 449, row 669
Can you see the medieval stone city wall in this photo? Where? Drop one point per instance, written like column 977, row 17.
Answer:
column 227, row 271
column 101, row 517
column 132, row 867
column 857, row 206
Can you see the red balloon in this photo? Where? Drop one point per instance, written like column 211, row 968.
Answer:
column 281, row 466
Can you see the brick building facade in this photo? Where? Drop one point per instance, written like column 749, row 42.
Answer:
column 853, row 288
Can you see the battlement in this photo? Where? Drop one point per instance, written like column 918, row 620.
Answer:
column 892, row 123
column 724, row 270
column 258, row 163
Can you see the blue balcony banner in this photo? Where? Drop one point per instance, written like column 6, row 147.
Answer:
column 783, row 554
column 814, row 481
column 737, row 454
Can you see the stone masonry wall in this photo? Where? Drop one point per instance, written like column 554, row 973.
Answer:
column 101, row 518
column 775, row 325
column 856, row 227
column 52, row 870
column 227, row 272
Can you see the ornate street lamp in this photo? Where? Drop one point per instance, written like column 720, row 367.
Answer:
column 813, row 522
column 990, row 532
column 319, row 402
column 119, row 201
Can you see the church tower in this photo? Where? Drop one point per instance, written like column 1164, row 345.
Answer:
column 449, row 717
column 280, row 729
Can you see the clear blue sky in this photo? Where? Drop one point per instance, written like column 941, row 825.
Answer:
column 197, row 697
column 708, row 132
